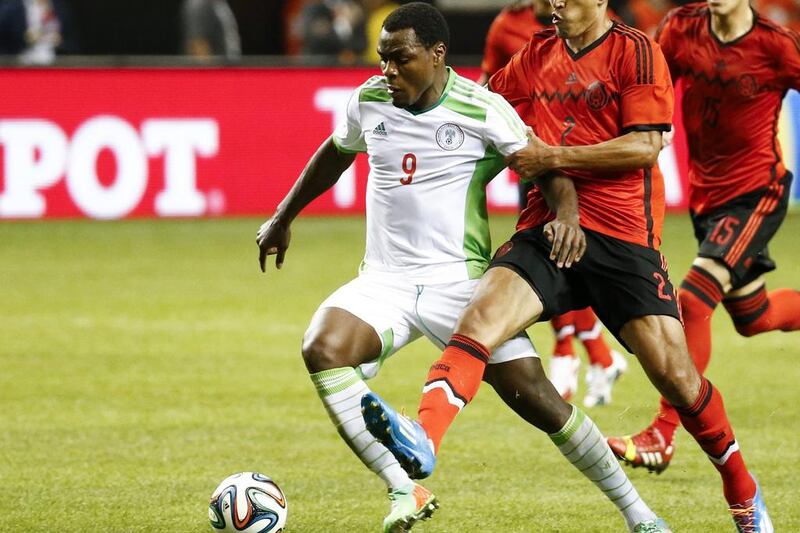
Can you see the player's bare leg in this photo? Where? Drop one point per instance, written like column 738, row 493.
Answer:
column 752, row 310
column 503, row 305
column 659, row 343
column 654, row 447
column 334, row 345
column 523, row 386
column 337, row 338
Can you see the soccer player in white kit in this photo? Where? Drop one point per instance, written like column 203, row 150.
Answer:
column 434, row 140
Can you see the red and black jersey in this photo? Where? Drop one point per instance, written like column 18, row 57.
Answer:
column 509, row 32
column 732, row 99
column 618, row 84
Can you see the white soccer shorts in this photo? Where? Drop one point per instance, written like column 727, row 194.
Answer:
column 401, row 312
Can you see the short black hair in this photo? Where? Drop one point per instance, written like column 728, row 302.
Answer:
column 426, row 21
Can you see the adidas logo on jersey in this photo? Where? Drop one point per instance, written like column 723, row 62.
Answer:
column 380, row 129
column 572, row 78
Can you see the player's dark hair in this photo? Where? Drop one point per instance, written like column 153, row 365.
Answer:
column 426, row 21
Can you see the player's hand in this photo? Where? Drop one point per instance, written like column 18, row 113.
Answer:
column 531, row 161
column 273, row 239
column 568, row 240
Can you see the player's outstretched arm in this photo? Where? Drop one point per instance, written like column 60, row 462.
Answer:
column 322, row 171
column 565, row 233
column 634, row 150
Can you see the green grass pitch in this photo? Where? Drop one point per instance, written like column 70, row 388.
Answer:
column 144, row 361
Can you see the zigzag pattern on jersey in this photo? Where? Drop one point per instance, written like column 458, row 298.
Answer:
column 575, row 96
column 644, row 53
column 723, row 84
column 702, row 76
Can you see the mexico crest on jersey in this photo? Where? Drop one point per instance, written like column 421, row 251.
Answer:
column 597, row 95
column 449, row 136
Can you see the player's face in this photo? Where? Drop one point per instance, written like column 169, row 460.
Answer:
column 725, row 7
column 409, row 67
column 573, row 18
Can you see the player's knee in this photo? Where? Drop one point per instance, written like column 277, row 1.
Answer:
column 321, row 352
column 679, row 386
column 670, row 368
column 541, row 394
column 677, row 381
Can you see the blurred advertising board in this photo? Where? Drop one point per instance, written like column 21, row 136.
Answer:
column 155, row 142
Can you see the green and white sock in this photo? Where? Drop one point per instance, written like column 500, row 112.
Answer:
column 340, row 390
column 584, row 446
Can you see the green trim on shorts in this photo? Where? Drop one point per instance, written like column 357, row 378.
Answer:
column 573, row 424
column 387, row 340
column 420, row 289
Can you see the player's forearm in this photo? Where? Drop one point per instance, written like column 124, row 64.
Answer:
column 322, row 171
column 631, row 151
column 560, row 195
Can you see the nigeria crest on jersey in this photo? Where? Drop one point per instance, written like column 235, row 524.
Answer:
column 449, row 136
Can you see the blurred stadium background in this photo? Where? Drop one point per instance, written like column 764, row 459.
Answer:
column 144, row 360
column 211, row 107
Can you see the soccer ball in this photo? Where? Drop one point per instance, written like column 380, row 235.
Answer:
column 249, row 502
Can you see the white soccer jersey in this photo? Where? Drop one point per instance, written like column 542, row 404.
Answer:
column 426, row 193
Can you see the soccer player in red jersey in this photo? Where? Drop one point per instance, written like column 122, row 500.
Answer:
column 601, row 97
column 735, row 67
column 509, row 33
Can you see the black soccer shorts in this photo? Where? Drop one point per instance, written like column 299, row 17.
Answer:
column 620, row 280
column 737, row 233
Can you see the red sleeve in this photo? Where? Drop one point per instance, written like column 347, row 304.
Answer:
column 666, row 39
column 512, row 81
column 789, row 59
column 493, row 57
column 646, row 96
